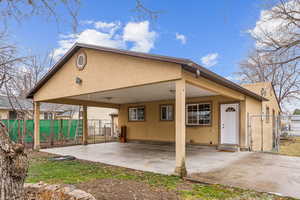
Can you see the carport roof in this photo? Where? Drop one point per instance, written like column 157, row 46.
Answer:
column 186, row 64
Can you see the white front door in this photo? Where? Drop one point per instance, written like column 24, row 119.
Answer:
column 229, row 124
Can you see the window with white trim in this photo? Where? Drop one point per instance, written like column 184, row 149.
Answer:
column 48, row 115
column 136, row 113
column 166, row 112
column 198, row 114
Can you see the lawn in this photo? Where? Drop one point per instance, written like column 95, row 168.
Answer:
column 290, row 147
column 109, row 182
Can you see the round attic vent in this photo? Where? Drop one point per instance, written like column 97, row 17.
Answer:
column 81, row 60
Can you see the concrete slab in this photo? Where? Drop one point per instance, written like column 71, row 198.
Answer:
column 258, row 171
column 150, row 157
column 261, row 172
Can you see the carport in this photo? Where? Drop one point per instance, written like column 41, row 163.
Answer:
column 102, row 77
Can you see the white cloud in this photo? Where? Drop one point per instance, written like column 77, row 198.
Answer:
column 181, row 38
column 235, row 78
column 88, row 36
column 139, row 33
column 210, row 59
column 273, row 26
column 112, row 34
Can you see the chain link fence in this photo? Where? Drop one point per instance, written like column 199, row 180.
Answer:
column 102, row 131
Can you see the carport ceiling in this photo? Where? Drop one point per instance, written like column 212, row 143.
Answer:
column 145, row 93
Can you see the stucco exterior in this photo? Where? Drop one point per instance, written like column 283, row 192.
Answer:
column 114, row 70
column 263, row 128
column 4, row 114
column 109, row 70
column 153, row 129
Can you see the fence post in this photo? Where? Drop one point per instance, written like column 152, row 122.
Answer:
column 24, row 130
column 19, row 132
column 104, row 133
column 278, row 124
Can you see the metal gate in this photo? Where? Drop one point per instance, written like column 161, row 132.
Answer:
column 264, row 132
column 101, row 131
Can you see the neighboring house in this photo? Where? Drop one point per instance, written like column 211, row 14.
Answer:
column 11, row 107
column 294, row 125
column 9, row 110
column 159, row 98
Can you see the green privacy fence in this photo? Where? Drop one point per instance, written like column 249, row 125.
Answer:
column 50, row 130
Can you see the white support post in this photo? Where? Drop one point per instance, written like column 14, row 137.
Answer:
column 180, row 128
column 36, row 125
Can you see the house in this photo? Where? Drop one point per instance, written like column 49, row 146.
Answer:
column 294, row 125
column 159, row 99
column 9, row 108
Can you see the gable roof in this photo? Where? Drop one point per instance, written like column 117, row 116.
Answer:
column 185, row 63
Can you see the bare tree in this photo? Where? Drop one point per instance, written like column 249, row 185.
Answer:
column 278, row 33
column 21, row 9
column 144, row 12
column 30, row 73
column 13, row 167
column 283, row 76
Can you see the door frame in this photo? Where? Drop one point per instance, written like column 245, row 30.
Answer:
column 239, row 124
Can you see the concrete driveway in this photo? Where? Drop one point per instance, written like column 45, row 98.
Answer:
column 259, row 171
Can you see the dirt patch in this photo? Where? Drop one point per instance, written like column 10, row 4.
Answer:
column 106, row 189
column 290, row 146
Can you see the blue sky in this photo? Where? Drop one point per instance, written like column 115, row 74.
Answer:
column 216, row 27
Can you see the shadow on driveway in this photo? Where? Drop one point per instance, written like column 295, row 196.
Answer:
column 259, row 171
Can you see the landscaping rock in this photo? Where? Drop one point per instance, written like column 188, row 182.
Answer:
column 42, row 191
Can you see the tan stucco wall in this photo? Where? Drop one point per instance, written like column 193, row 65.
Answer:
column 212, row 86
column 4, row 114
column 100, row 113
column 152, row 129
column 262, row 131
column 252, row 108
column 106, row 71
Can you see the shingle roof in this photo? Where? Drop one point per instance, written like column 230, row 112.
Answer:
column 186, row 64
column 26, row 104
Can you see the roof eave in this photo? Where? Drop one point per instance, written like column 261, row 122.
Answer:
column 193, row 67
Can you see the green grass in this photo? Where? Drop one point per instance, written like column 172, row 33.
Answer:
column 211, row 192
column 72, row 172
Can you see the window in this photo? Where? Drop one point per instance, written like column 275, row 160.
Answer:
column 136, row 113
column 81, row 61
column 166, row 112
column 198, row 114
column 230, row 109
column 267, row 114
column 12, row 115
column 48, row 115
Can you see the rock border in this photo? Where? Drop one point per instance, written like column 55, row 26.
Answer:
column 69, row 190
